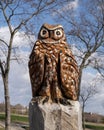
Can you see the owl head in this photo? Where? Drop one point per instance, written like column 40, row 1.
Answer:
column 51, row 34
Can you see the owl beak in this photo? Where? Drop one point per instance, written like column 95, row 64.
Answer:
column 51, row 34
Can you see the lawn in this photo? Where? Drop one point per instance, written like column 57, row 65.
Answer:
column 24, row 120
column 21, row 119
column 95, row 126
column 1, row 128
column 15, row 118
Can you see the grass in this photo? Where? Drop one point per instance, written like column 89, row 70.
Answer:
column 21, row 119
column 94, row 126
column 2, row 129
column 15, row 118
column 24, row 120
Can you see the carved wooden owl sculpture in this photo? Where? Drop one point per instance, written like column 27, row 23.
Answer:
column 52, row 66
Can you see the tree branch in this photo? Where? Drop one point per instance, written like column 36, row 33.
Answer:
column 98, row 68
column 2, row 69
column 13, row 10
column 7, row 20
column 4, row 42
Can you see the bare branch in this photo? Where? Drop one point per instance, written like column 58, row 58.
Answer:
column 2, row 69
column 4, row 50
column 4, row 42
column 7, row 20
column 13, row 10
column 100, row 68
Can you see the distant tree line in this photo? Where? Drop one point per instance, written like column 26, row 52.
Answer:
column 15, row 109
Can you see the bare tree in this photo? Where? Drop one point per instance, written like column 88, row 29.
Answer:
column 99, row 65
column 87, row 92
column 86, row 29
column 16, row 14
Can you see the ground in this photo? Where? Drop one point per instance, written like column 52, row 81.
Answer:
column 13, row 126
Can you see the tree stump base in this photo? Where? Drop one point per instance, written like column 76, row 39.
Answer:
column 55, row 116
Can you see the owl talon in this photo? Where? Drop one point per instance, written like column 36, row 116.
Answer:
column 57, row 100
column 64, row 101
column 45, row 100
column 39, row 99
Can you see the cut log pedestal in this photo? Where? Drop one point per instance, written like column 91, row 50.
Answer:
column 55, row 116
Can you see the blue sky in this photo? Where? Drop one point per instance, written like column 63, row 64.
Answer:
column 19, row 82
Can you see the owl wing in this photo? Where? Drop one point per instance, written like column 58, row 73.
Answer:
column 69, row 75
column 36, row 70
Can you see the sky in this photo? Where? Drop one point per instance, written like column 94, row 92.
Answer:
column 19, row 81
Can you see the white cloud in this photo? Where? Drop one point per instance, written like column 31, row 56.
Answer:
column 20, row 88
column 20, row 39
column 4, row 33
column 71, row 5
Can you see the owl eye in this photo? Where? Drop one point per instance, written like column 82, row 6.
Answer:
column 44, row 33
column 58, row 33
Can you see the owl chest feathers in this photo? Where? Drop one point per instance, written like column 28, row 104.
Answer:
column 51, row 53
column 50, row 50
column 57, row 67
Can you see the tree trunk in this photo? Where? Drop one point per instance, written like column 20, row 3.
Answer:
column 83, row 117
column 7, row 103
column 79, row 84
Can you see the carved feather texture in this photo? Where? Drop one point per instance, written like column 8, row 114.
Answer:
column 53, row 71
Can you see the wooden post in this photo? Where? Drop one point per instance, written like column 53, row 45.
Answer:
column 55, row 116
